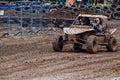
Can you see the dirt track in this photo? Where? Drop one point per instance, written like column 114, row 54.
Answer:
column 32, row 58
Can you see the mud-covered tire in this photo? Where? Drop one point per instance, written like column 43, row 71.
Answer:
column 58, row 43
column 112, row 44
column 91, row 44
column 77, row 46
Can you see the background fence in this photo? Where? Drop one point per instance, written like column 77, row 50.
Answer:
column 21, row 19
column 32, row 18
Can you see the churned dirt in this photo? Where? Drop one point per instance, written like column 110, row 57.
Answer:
column 32, row 58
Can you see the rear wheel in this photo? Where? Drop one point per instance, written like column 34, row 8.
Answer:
column 58, row 44
column 112, row 44
column 91, row 44
column 77, row 46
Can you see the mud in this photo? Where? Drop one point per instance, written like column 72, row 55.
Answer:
column 32, row 58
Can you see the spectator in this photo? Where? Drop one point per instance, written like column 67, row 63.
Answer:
column 60, row 2
column 105, row 1
column 70, row 2
column 95, row 2
column 85, row 2
column 91, row 2
column 78, row 2
column 117, row 2
column 113, row 1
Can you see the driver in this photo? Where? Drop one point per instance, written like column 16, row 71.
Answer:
column 97, row 26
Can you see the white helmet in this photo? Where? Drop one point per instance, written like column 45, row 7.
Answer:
column 97, row 20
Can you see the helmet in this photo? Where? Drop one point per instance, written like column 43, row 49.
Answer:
column 97, row 20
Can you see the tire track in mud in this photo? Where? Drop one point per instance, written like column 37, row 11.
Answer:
column 14, row 49
column 32, row 61
column 86, row 62
column 53, row 63
column 25, row 55
column 86, row 69
column 92, row 66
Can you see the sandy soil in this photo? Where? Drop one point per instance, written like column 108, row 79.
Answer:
column 32, row 58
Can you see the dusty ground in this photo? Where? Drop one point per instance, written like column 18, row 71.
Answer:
column 32, row 58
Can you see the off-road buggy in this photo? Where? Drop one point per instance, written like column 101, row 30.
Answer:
column 85, row 35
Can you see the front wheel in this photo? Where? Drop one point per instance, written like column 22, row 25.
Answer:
column 58, row 44
column 91, row 44
column 112, row 44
